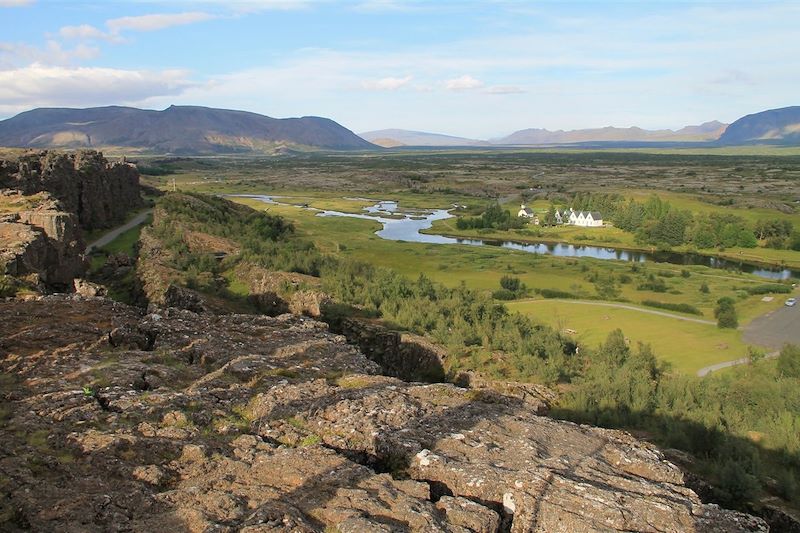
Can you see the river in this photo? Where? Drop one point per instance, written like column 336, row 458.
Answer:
column 413, row 221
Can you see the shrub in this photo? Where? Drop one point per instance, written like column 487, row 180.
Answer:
column 770, row 288
column 789, row 361
column 8, row 286
column 504, row 294
column 554, row 293
column 681, row 308
column 510, row 283
column 726, row 313
column 704, row 288
column 652, row 284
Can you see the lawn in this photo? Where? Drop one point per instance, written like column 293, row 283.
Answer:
column 686, row 346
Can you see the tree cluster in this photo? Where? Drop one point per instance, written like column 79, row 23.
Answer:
column 495, row 217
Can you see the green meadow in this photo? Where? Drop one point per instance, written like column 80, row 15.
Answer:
column 687, row 346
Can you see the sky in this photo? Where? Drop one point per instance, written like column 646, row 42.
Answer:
column 468, row 68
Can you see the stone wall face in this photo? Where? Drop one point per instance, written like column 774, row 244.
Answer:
column 43, row 244
column 46, row 200
column 100, row 193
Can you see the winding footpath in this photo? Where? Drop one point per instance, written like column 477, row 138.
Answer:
column 727, row 364
column 116, row 232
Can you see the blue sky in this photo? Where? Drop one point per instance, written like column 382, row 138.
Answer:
column 477, row 69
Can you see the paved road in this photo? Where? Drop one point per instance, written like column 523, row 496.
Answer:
column 116, row 232
column 630, row 307
column 774, row 329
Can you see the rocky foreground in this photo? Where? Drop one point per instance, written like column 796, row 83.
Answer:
column 177, row 421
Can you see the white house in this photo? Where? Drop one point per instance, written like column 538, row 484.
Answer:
column 527, row 212
column 586, row 219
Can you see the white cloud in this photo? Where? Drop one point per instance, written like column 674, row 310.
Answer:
column 84, row 31
column 16, row 3
column 386, row 84
column 157, row 21
column 13, row 55
column 462, row 83
column 40, row 85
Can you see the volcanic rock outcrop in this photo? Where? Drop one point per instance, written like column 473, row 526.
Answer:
column 99, row 192
column 39, row 240
column 177, row 421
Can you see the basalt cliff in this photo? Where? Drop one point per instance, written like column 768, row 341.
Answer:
column 47, row 201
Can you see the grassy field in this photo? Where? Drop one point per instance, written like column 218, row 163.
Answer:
column 686, row 346
column 482, row 267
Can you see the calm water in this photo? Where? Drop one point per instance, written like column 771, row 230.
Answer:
column 408, row 229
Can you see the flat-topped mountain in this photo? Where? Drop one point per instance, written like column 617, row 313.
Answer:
column 177, row 129
column 391, row 138
column 780, row 126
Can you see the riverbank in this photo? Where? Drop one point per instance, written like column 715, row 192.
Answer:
column 735, row 257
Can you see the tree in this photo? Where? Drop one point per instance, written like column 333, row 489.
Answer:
column 510, row 283
column 789, row 361
column 550, row 217
column 726, row 313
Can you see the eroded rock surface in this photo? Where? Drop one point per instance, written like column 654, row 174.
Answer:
column 176, row 421
column 40, row 240
column 97, row 191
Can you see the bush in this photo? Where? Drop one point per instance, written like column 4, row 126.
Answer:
column 726, row 313
column 704, row 288
column 8, row 286
column 510, row 283
column 554, row 293
column 504, row 294
column 770, row 288
column 789, row 361
column 681, row 308
column 652, row 284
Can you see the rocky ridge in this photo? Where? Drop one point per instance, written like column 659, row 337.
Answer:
column 116, row 421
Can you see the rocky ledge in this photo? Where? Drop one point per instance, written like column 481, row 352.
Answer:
column 176, row 421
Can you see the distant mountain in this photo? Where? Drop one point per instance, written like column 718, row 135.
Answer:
column 779, row 126
column 177, row 129
column 393, row 137
column 708, row 131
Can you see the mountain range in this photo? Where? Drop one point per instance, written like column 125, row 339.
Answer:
column 775, row 126
column 177, row 130
column 708, row 131
column 393, row 138
column 192, row 130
